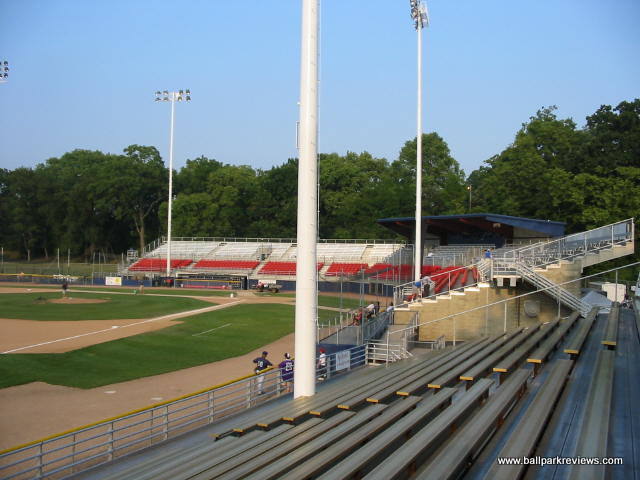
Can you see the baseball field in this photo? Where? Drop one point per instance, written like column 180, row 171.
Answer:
column 100, row 352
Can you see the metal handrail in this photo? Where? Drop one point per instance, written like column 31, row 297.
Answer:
column 398, row 290
column 565, row 248
column 524, row 295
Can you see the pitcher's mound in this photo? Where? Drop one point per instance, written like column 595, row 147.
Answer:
column 77, row 300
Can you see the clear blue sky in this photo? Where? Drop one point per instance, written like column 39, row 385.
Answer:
column 83, row 74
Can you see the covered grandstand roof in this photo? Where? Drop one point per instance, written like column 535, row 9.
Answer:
column 474, row 225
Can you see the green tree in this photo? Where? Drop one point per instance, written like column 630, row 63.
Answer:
column 443, row 181
column 277, row 202
column 193, row 177
column 132, row 187
column 349, row 194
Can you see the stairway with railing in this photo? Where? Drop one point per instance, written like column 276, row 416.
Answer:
column 589, row 247
column 563, row 295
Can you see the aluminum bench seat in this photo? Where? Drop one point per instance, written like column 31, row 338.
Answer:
column 594, row 434
column 511, row 362
column 312, row 459
column 610, row 339
column 358, row 389
column 212, row 467
column 526, row 435
column 153, row 465
column 379, row 448
column 575, row 344
column 172, row 465
column 452, row 376
column 392, row 381
column 541, row 354
column 422, row 382
column 485, row 366
column 397, row 465
column 314, row 442
column 391, row 391
column 466, row 443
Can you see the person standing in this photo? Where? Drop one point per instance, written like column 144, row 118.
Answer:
column 65, row 287
column 428, row 286
column 286, row 372
column 261, row 364
column 322, row 364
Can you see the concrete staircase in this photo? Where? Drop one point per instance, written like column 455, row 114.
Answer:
column 551, row 288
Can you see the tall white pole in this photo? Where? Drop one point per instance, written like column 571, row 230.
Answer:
column 306, row 276
column 418, row 246
column 173, row 108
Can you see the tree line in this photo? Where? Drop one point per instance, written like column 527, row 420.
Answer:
column 88, row 201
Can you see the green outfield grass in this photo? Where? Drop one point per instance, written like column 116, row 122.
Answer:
column 334, row 301
column 34, row 306
column 196, row 292
column 200, row 339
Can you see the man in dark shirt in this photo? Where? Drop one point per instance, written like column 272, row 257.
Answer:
column 261, row 364
column 286, row 372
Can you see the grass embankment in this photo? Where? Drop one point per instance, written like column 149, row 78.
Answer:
column 34, row 306
column 204, row 338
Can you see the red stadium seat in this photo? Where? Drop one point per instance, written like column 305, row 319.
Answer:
column 345, row 268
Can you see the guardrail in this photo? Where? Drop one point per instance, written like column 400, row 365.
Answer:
column 365, row 330
column 565, row 248
column 501, row 305
column 77, row 450
column 407, row 289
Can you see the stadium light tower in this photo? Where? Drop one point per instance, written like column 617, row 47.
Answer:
column 173, row 97
column 4, row 71
column 420, row 17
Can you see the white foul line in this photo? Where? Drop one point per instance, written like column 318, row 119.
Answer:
column 173, row 315
column 207, row 331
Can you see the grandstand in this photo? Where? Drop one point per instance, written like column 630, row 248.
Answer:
column 275, row 257
column 472, row 375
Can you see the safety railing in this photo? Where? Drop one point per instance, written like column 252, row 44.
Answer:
column 385, row 352
column 348, row 330
column 565, row 248
column 409, row 291
column 80, row 449
column 502, row 314
column 540, row 281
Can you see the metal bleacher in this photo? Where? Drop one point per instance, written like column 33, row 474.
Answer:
column 185, row 249
column 328, row 252
column 441, row 414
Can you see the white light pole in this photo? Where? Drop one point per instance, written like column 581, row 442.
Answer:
column 420, row 17
column 173, row 97
column 306, row 276
column 4, row 71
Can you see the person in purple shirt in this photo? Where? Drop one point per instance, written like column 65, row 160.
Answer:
column 286, row 372
column 261, row 364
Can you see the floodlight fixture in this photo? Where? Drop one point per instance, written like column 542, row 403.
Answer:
column 419, row 13
column 173, row 97
column 4, row 71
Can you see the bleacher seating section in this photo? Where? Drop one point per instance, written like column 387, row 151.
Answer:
column 345, row 268
column 237, row 250
column 340, row 251
column 282, row 268
column 157, row 264
column 378, row 268
column 227, row 264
